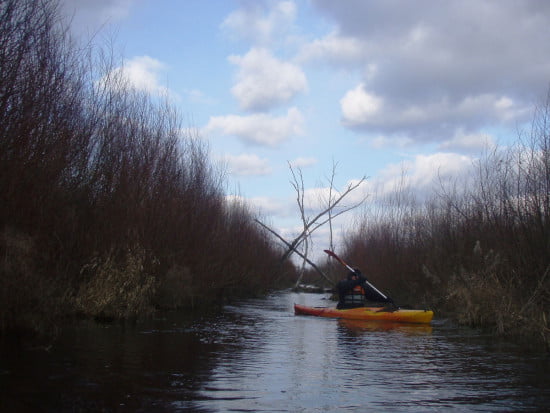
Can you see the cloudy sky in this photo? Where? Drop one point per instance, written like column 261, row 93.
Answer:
column 377, row 88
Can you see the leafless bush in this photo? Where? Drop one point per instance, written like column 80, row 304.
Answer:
column 89, row 166
column 479, row 249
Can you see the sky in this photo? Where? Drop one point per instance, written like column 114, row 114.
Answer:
column 357, row 88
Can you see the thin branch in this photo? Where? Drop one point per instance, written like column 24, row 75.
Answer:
column 296, row 251
column 330, row 207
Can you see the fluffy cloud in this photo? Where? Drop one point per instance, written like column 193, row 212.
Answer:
column 247, row 164
column 264, row 82
column 360, row 107
column 436, row 119
column 334, row 48
column 420, row 173
column 142, row 73
column 258, row 129
column 317, row 199
column 269, row 206
column 257, row 23
column 470, row 143
column 440, row 66
column 264, row 205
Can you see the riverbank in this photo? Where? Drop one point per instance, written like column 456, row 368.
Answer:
column 109, row 208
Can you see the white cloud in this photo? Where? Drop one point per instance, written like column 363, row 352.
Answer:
column 468, row 142
column 259, row 129
column 143, row 73
column 334, row 48
column 247, row 164
column 440, row 66
column 264, row 82
column 286, row 211
column 360, row 107
column 269, row 206
column 438, row 119
column 317, row 198
column 258, row 24
column 421, row 173
column 266, row 206
column 359, row 194
column 427, row 168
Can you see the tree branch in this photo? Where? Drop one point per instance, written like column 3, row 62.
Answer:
column 296, row 251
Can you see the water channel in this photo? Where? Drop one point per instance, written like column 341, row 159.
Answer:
column 258, row 356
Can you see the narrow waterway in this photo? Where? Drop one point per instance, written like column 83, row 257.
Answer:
column 258, row 356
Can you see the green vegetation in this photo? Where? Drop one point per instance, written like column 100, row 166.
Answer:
column 478, row 249
column 107, row 208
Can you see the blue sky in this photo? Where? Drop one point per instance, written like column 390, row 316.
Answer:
column 378, row 88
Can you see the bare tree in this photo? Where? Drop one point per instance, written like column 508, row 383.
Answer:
column 330, row 195
column 311, row 224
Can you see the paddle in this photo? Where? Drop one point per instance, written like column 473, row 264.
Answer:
column 341, row 261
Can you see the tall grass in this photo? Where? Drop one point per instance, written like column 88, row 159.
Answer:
column 106, row 207
column 478, row 248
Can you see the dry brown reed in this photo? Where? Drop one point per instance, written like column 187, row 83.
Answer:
column 117, row 290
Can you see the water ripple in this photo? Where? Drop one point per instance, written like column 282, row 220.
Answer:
column 258, row 356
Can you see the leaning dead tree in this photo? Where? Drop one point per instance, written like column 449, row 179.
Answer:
column 332, row 208
column 327, row 214
column 296, row 251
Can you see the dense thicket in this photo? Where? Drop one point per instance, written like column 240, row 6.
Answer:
column 106, row 206
column 479, row 248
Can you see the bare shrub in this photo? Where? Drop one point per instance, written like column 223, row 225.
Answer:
column 90, row 165
column 478, row 249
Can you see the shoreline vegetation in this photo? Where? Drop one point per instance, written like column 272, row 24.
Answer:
column 109, row 209
column 477, row 248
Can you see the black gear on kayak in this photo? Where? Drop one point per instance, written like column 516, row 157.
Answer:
column 355, row 273
column 372, row 295
column 348, row 297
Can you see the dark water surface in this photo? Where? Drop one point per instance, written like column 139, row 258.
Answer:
column 259, row 357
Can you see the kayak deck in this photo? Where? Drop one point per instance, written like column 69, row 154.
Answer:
column 368, row 313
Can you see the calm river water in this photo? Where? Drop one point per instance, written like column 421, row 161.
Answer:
column 259, row 357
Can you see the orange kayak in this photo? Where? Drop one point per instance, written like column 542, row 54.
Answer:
column 368, row 313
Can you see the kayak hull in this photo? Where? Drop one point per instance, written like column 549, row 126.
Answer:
column 368, row 313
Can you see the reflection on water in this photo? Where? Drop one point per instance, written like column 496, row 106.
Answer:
column 360, row 326
column 259, row 356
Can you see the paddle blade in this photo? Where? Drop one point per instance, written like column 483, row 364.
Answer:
column 329, row 252
column 333, row 255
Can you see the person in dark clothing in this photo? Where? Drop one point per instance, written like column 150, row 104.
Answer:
column 351, row 294
column 355, row 291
